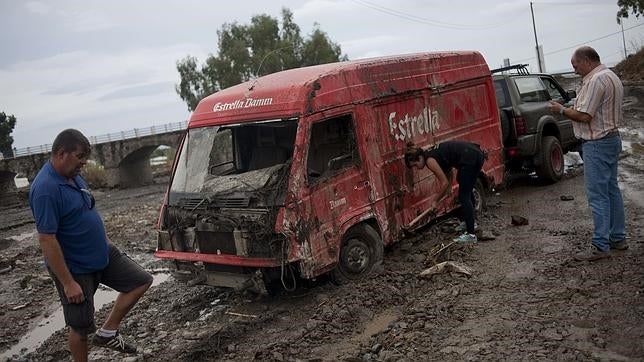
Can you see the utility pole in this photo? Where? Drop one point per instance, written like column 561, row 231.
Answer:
column 623, row 39
column 536, row 42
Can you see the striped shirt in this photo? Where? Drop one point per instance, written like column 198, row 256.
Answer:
column 601, row 97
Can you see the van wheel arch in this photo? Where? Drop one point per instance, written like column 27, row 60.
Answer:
column 361, row 254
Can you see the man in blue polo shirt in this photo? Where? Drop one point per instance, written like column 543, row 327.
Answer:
column 77, row 251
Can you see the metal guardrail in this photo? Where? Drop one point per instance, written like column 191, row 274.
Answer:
column 106, row 138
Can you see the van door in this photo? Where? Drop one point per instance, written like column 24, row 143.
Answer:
column 336, row 187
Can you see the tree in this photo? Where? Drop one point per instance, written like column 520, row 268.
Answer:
column 7, row 124
column 249, row 51
column 633, row 6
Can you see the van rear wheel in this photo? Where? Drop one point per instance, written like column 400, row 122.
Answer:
column 479, row 195
column 360, row 254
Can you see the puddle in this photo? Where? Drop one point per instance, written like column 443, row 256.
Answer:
column 47, row 326
column 378, row 324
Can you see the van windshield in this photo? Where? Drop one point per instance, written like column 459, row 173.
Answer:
column 235, row 158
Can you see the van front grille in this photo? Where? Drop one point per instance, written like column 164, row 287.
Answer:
column 221, row 202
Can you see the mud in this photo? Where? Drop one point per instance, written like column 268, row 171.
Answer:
column 526, row 300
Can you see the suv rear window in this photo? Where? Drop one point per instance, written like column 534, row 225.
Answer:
column 531, row 89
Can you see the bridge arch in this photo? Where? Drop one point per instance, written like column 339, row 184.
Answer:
column 125, row 157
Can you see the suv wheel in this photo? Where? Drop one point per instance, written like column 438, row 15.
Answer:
column 551, row 166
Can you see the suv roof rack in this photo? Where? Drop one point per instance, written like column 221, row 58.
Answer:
column 520, row 68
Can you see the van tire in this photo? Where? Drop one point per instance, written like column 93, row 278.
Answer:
column 361, row 254
column 551, row 165
column 479, row 197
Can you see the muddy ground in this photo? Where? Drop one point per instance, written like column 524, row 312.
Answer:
column 526, row 298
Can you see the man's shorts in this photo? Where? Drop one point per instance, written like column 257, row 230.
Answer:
column 121, row 274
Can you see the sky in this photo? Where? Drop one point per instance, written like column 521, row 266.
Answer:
column 109, row 66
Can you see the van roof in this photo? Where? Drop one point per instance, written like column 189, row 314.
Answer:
column 294, row 92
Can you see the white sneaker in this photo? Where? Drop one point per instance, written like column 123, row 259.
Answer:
column 466, row 238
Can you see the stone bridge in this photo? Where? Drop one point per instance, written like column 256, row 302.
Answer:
column 124, row 155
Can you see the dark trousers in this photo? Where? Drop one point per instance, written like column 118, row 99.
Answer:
column 466, row 178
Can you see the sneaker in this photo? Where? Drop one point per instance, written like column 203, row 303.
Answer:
column 591, row 255
column 619, row 245
column 466, row 238
column 116, row 343
column 461, row 228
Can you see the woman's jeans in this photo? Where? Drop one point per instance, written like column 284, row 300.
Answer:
column 604, row 196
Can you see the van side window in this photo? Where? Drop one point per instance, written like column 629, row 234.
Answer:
column 332, row 148
column 531, row 89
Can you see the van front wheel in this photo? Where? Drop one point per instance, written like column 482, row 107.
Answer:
column 360, row 255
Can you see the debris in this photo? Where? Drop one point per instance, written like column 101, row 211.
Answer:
column 446, row 266
column 5, row 270
column 198, row 279
column 519, row 220
column 566, row 197
column 409, row 227
column 21, row 306
column 241, row 315
column 438, row 249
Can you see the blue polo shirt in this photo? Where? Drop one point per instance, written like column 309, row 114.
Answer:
column 65, row 210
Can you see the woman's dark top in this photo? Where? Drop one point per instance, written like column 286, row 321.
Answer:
column 456, row 154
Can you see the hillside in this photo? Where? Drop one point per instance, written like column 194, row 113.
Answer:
column 631, row 69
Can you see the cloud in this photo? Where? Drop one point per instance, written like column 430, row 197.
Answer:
column 84, row 85
column 87, row 20
column 38, row 7
column 139, row 91
column 75, row 18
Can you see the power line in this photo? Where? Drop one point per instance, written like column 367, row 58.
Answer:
column 570, row 3
column 426, row 21
column 583, row 43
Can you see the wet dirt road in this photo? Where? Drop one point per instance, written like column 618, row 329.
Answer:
column 526, row 299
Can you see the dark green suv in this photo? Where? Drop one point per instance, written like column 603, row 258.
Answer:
column 533, row 137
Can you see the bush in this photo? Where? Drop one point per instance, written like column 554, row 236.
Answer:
column 95, row 175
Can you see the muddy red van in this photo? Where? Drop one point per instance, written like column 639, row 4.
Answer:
column 301, row 172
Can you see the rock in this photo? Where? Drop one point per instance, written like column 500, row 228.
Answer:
column 418, row 258
column 406, row 245
column 486, row 236
column 519, row 220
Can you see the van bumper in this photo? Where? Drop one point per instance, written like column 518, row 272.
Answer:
column 221, row 259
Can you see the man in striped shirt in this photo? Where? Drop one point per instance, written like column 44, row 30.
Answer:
column 596, row 115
